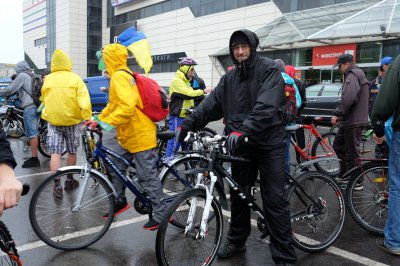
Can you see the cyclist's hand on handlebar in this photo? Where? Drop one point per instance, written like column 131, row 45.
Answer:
column 180, row 133
column 10, row 188
column 90, row 124
column 232, row 141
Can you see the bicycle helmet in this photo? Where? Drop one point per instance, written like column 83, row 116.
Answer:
column 186, row 61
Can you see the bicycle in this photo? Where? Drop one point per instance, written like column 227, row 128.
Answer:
column 77, row 221
column 13, row 121
column 316, row 205
column 367, row 194
column 9, row 253
column 321, row 153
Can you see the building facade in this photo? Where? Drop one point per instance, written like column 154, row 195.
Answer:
column 296, row 31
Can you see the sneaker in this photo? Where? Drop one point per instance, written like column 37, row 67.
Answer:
column 358, row 186
column 120, row 205
column 230, row 249
column 381, row 245
column 58, row 191
column 31, row 162
column 343, row 181
column 71, row 184
column 151, row 225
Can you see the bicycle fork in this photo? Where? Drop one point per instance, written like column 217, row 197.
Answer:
column 85, row 173
column 193, row 205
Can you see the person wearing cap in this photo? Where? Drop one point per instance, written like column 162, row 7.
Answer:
column 353, row 112
column 387, row 104
column 181, row 95
column 381, row 150
column 251, row 100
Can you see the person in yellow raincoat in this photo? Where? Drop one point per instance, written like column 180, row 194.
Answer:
column 136, row 133
column 66, row 103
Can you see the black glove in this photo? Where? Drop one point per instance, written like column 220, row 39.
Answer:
column 180, row 133
column 232, row 140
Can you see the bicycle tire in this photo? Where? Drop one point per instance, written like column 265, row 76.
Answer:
column 54, row 220
column 368, row 206
column 42, row 147
column 167, row 246
column 308, row 218
column 327, row 167
column 9, row 254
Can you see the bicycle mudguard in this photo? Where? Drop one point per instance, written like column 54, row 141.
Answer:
column 177, row 159
column 317, row 160
column 105, row 179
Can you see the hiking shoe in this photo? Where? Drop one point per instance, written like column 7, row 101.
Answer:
column 120, row 205
column 71, row 184
column 381, row 245
column 58, row 191
column 31, row 162
column 230, row 249
column 151, row 225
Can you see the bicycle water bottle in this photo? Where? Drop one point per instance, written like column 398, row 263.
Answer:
column 367, row 134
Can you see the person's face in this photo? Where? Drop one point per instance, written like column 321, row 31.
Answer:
column 343, row 67
column 190, row 73
column 385, row 67
column 241, row 52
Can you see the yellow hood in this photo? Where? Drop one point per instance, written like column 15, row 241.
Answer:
column 115, row 57
column 60, row 61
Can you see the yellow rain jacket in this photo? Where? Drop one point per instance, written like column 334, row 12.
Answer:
column 135, row 131
column 64, row 94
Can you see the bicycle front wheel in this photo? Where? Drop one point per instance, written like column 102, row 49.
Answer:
column 174, row 246
column 367, row 196
column 316, row 210
column 8, row 254
column 56, row 217
column 323, row 148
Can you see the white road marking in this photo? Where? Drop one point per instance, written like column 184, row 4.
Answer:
column 333, row 250
column 41, row 173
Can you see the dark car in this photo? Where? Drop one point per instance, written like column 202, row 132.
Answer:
column 322, row 99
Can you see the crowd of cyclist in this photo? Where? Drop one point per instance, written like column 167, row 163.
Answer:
column 249, row 97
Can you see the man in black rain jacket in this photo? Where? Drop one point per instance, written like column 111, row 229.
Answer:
column 251, row 100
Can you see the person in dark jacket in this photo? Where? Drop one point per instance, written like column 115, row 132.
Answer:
column 387, row 104
column 10, row 187
column 23, row 84
column 251, row 100
column 352, row 111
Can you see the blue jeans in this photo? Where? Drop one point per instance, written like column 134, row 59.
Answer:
column 31, row 122
column 392, row 227
column 174, row 122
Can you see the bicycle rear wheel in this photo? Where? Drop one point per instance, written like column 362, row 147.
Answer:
column 55, row 220
column 8, row 254
column 321, row 148
column 13, row 128
column 42, row 147
column 317, row 211
column 174, row 246
column 367, row 197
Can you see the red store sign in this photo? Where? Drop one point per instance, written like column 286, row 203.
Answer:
column 327, row 55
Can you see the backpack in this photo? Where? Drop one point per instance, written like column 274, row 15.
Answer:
column 155, row 103
column 291, row 103
column 293, row 100
column 36, row 92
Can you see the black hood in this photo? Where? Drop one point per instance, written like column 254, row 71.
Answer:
column 253, row 40
column 244, row 66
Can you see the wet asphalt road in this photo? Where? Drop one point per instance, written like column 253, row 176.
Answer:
column 129, row 244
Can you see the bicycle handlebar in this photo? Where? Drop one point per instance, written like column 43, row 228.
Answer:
column 25, row 189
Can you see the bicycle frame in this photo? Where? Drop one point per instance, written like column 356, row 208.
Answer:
column 306, row 155
column 101, row 152
column 216, row 167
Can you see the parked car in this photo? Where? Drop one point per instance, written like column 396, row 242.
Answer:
column 322, row 99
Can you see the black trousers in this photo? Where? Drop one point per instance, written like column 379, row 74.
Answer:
column 347, row 147
column 275, row 205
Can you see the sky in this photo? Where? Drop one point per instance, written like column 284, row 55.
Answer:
column 11, row 44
